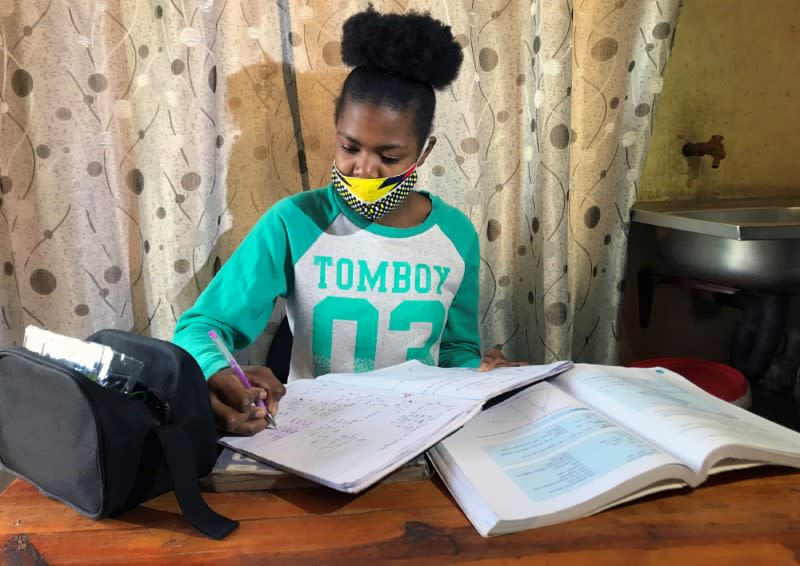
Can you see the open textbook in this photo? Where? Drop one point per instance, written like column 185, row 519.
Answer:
column 234, row 471
column 347, row 431
column 595, row 437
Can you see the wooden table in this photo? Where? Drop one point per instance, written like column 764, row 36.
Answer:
column 745, row 517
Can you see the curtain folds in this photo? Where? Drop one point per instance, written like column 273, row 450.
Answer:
column 140, row 141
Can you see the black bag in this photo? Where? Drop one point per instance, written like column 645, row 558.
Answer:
column 101, row 451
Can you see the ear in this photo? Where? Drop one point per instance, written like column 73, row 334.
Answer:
column 431, row 143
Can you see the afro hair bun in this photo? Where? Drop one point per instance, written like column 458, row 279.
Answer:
column 412, row 45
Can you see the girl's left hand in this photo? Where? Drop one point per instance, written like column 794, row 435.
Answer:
column 495, row 359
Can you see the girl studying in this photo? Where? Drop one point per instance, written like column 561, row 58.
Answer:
column 374, row 271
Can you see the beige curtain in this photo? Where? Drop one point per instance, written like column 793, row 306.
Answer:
column 140, row 141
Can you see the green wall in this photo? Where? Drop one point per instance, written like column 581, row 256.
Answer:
column 734, row 71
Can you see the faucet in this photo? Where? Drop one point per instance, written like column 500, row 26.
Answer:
column 712, row 147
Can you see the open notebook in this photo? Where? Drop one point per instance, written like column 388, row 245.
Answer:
column 595, row 437
column 347, row 431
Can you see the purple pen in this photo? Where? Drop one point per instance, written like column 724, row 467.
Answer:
column 237, row 369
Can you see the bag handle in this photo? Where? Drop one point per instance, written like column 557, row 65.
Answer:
column 180, row 461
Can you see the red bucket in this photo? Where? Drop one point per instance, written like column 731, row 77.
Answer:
column 720, row 380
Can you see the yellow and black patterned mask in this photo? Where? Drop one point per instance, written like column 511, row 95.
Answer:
column 374, row 198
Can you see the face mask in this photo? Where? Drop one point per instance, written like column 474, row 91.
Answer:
column 375, row 198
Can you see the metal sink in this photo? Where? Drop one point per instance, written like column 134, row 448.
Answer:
column 743, row 243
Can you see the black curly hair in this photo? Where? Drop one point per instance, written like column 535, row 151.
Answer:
column 399, row 60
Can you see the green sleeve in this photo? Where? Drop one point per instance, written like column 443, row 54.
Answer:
column 240, row 298
column 460, row 343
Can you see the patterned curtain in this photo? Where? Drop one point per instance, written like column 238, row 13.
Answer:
column 140, row 141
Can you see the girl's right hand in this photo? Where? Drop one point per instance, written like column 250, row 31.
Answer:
column 234, row 406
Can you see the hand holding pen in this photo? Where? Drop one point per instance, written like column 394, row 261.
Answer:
column 237, row 405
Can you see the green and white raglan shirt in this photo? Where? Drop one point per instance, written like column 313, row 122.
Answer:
column 359, row 296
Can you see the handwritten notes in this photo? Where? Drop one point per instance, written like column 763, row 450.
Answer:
column 347, row 438
column 347, row 431
column 463, row 383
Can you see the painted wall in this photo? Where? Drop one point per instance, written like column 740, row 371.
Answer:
column 734, row 71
